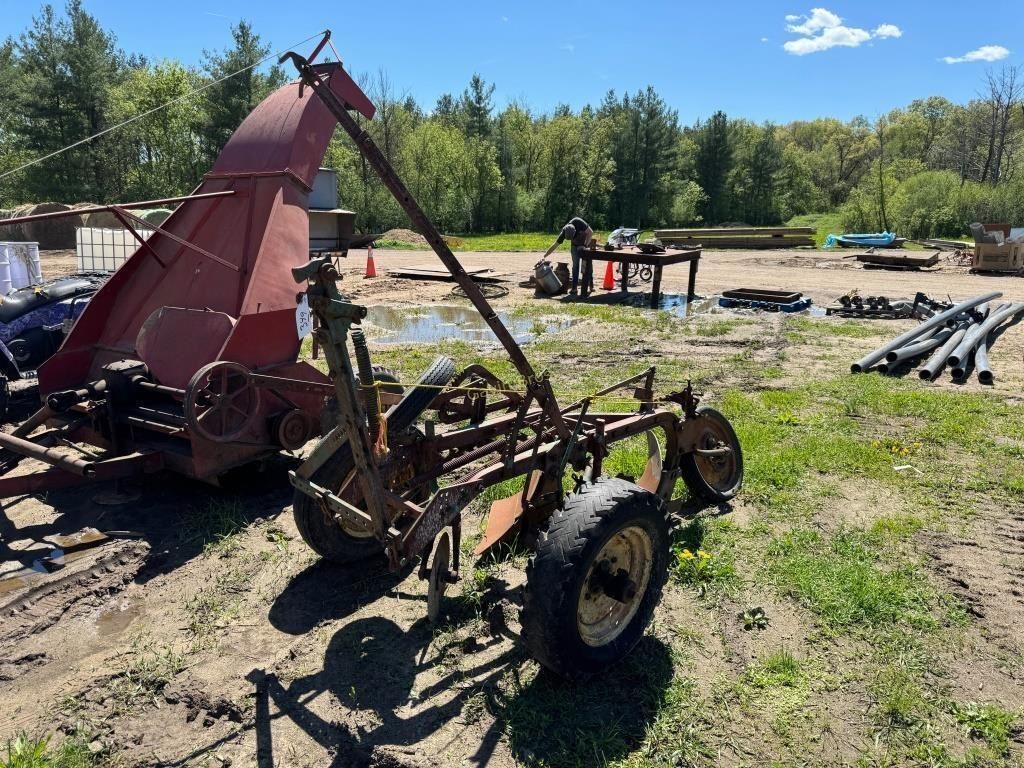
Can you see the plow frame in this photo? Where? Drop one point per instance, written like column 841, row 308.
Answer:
column 572, row 437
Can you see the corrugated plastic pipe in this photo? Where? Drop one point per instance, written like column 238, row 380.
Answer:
column 960, row 356
column 931, row 369
column 935, row 320
column 916, row 349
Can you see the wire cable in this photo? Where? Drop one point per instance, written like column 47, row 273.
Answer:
column 148, row 112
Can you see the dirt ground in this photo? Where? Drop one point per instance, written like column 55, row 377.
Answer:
column 210, row 635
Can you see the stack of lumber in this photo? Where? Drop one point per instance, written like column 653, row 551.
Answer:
column 738, row 237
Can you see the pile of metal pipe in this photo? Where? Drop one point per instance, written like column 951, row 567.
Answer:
column 956, row 337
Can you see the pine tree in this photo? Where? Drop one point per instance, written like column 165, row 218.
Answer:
column 229, row 102
column 714, row 161
column 476, row 107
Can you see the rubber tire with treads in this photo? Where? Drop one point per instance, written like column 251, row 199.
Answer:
column 329, row 414
column 325, row 536
column 690, row 471
column 557, row 570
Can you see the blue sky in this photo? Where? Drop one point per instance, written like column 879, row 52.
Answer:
column 769, row 60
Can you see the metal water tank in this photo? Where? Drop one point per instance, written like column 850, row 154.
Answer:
column 546, row 278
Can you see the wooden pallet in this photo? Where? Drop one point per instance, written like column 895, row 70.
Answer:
column 752, row 242
column 661, row 234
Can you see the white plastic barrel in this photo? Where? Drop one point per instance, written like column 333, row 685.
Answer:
column 5, row 269
column 23, row 263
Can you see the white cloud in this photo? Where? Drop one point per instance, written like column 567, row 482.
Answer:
column 846, row 37
column 764, row 39
column 568, row 47
column 822, row 29
column 984, row 53
column 819, row 19
column 504, row 19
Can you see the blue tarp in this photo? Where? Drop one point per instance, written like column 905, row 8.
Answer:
column 875, row 239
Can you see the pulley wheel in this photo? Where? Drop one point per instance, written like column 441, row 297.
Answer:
column 440, row 568
column 221, row 404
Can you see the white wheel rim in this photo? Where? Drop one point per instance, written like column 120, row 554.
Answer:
column 600, row 619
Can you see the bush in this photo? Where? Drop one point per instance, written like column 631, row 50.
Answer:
column 932, row 204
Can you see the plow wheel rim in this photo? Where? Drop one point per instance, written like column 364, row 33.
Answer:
column 600, row 618
column 718, row 471
column 352, row 492
column 221, row 404
column 440, row 567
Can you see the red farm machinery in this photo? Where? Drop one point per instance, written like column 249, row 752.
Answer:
column 187, row 359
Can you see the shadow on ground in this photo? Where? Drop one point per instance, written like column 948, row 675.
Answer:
column 371, row 665
column 178, row 517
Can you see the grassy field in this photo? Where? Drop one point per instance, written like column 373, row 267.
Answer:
column 824, row 224
column 832, row 547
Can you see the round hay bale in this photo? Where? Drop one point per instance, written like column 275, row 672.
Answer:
column 79, row 221
column 103, row 220
column 51, row 234
column 155, row 216
column 14, row 231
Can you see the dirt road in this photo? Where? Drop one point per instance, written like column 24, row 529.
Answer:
column 822, row 275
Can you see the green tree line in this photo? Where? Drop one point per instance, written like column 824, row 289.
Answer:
column 926, row 169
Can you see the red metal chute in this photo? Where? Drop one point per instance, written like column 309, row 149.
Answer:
column 241, row 248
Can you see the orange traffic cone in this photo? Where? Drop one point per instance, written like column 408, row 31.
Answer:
column 371, row 269
column 609, row 277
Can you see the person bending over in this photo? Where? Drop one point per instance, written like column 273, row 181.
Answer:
column 579, row 234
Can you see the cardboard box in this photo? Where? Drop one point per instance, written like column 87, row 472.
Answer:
column 1008, row 257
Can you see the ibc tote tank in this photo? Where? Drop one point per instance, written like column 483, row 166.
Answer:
column 5, row 268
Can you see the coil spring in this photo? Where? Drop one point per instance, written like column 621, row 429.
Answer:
column 367, row 390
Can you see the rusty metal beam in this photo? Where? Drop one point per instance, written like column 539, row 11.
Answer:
column 540, row 387
column 112, row 208
column 56, row 478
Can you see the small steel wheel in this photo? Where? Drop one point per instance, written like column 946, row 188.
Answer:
column 439, row 575
column 595, row 578
column 714, row 471
column 646, row 273
column 221, row 404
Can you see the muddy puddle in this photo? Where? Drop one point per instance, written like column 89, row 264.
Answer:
column 436, row 323
column 115, row 620
column 680, row 306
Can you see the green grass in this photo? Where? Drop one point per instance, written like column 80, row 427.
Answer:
column 519, row 241
column 146, row 668
column 779, row 669
column 988, row 722
column 400, row 245
column 824, row 223
column 26, row 751
column 848, row 583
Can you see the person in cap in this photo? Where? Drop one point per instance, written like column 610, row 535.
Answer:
column 579, row 234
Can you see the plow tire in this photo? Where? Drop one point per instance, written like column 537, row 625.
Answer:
column 405, row 412
column 708, row 480
column 329, row 414
column 563, row 617
column 323, row 535
column 327, row 537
